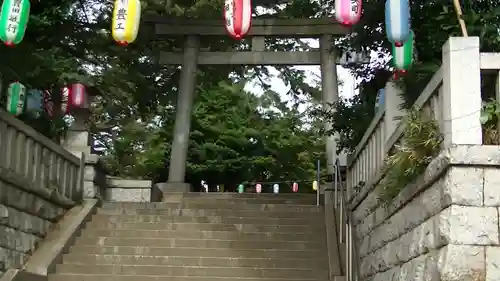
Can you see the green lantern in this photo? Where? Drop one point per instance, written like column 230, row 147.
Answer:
column 13, row 21
column 241, row 188
column 16, row 97
column 402, row 57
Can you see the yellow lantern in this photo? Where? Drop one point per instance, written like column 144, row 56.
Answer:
column 315, row 185
column 126, row 19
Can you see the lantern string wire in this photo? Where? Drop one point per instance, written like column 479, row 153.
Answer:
column 273, row 182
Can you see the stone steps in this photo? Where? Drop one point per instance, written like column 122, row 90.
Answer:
column 207, row 212
column 202, row 237
column 198, row 243
column 196, row 252
column 205, row 234
column 208, row 219
column 192, row 271
column 188, row 226
column 113, row 277
column 213, row 205
column 248, row 198
column 90, row 259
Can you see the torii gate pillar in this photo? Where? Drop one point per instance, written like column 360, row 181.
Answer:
column 182, row 127
column 330, row 92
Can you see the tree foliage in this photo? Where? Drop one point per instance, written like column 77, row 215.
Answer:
column 433, row 22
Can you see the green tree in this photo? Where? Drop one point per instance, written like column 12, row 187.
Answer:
column 432, row 22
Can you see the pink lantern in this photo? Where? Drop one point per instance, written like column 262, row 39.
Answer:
column 258, row 188
column 238, row 17
column 78, row 97
column 348, row 12
column 295, row 187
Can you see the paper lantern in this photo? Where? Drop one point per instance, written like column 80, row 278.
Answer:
column 16, row 98
column 13, row 21
column 125, row 21
column 238, row 17
column 315, row 185
column 34, row 102
column 258, row 188
column 397, row 21
column 276, row 188
column 78, row 96
column 241, row 188
column 348, row 12
column 402, row 57
column 295, row 187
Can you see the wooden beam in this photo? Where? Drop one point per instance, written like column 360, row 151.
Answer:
column 249, row 58
column 260, row 27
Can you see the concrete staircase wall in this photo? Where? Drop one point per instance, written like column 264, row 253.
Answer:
column 202, row 237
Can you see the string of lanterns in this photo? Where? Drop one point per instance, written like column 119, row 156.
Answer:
column 20, row 100
column 126, row 17
column 399, row 33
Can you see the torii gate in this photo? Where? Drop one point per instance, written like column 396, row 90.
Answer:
column 191, row 56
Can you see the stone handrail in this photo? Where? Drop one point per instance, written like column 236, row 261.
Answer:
column 452, row 98
column 38, row 161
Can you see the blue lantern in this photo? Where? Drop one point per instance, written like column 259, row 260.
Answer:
column 397, row 21
column 34, row 102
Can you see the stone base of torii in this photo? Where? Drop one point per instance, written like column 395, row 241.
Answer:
column 191, row 56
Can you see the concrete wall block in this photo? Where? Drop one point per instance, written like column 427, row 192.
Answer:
column 463, row 186
column 454, row 225
column 491, row 187
column 89, row 173
column 30, row 203
column 492, row 263
column 23, row 221
column 449, row 263
column 413, row 214
column 469, row 225
column 10, row 258
column 89, row 189
column 367, row 206
column 19, row 241
column 128, row 194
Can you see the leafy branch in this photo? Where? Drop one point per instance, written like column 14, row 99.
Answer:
column 419, row 144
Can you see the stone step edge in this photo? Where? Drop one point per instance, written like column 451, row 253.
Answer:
column 76, row 246
column 183, row 257
column 80, row 238
column 181, row 231
column 193, row 266
column 207, row 223
column 184, row 277
column 99, row 215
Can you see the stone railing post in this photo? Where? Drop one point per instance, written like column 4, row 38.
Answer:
column 461, row 92
column 78, row 141
column 392, row 103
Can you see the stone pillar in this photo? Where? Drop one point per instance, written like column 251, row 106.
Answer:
column 330, row 92
column 77, row 139
column 461, row 92
column 182, row 126
column 392, row 105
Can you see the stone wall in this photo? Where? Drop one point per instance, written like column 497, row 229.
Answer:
column 27, row 213
column 443, row 227
column 122, row 190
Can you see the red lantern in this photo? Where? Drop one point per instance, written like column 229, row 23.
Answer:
column 238, row 17
column 77, row 96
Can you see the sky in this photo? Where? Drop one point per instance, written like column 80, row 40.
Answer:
column 313, row 73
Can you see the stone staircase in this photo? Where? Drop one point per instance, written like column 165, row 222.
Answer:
column 202, row 237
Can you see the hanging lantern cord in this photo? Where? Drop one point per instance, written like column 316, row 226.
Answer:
column 461, row 22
